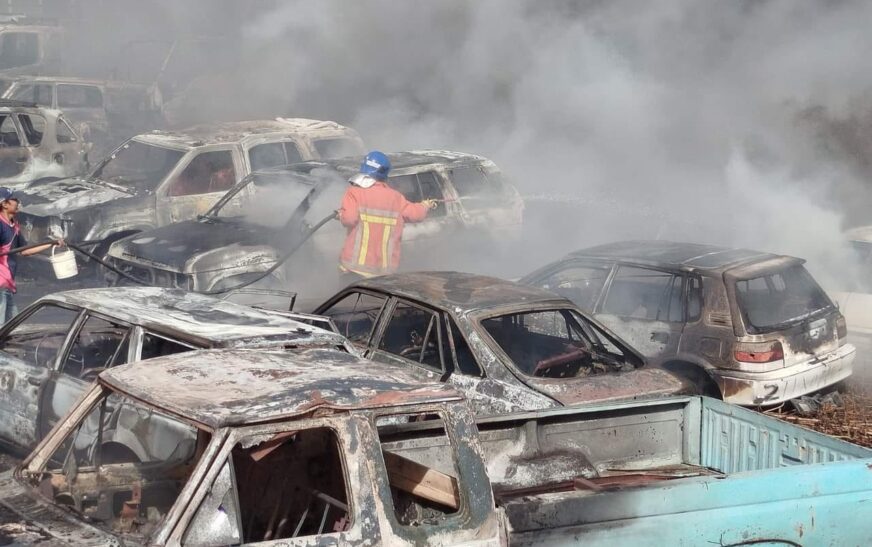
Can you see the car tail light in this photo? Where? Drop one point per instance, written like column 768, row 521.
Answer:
column 759, row 352
column 841, row 327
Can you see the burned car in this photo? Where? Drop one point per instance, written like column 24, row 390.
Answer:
column 105, row 112
column 52, row 350
column 29, row 48
column 321, row 448
column 38, row 144
column 507, row 346
column 164, row 177
column 752, row 327
column 258, row 219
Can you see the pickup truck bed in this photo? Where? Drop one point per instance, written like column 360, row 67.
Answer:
column 682, row 471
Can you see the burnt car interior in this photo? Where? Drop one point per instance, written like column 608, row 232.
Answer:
column 421, row 468
column 291, row 485
column 207, row 173
column 640, row 293
column 554, row 344
column 123, row 466
column 355, row 314
column 413, row 333
column 98, row 345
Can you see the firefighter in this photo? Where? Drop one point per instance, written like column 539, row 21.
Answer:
column 11, row 238
column 374, row 214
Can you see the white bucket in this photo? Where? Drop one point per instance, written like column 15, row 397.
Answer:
column 64, row 263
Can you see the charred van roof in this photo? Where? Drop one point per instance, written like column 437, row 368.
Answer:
column 233, row 132
column 399, row 160
column 677, row 255
column 202, row 320
column 235, row 387
column 450, row 290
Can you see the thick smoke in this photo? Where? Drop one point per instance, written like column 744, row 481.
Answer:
column 730, row 122
column 744, row 123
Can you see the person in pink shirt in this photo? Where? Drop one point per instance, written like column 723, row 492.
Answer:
column 11, row 238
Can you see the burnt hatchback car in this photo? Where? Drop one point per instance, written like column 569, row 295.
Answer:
column 52, row 350
column 507, row 346
column 163, row 177
column 37, row 144
column 251, row 226
column 753, row 327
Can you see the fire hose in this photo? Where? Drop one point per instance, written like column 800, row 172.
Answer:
column 284, row 258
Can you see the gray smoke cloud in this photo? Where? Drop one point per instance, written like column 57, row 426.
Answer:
column 744, row 123
column 721, row 121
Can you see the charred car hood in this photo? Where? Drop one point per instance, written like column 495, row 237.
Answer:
column 174, row 246
column 66, row 195
column 643, row 383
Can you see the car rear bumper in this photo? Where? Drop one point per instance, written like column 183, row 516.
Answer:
column 778, row 386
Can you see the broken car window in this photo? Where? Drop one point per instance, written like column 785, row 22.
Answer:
column 40, row 337
column 355, row 315
column 65, row 133
column 34, row 128
column 640, row 293
column 138, row 164
column 8, row 132
column 413, row 333
column 779, row 299
column 552, row 344
column 79, row 96
column 291, row 485
column 478, row 189
column 158, row 346
column 98, row 345
column 217, row 520
column 466, row 362
column 207, row 173
column 39, row 94
column 580, row 284
column 418, row 187
column 273, row 154
column 123, row 466
column 337, row 147
column 421, row 468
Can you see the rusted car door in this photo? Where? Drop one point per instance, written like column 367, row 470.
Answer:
column 324, row 497
column 355, row 314
column 646, row 307
column 29, row 348
column 14, row 153
column 193, row 189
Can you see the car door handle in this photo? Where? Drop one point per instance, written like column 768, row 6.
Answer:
column 661, row 337
column 34, row 381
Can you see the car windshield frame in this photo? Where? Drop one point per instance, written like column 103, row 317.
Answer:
column 105, row 410
column 97, row 175
column 593, row 333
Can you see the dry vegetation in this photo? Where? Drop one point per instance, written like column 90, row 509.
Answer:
column 852, row 422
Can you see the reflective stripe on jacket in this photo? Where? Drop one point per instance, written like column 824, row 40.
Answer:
column 375, row 217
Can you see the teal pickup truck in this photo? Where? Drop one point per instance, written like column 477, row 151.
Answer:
column 320, row 447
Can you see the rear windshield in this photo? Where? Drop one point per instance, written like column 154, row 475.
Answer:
column 780, row 298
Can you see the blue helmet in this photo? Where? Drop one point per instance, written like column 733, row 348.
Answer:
column 376, row 165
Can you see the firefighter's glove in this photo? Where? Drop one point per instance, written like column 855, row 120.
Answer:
column 429, row 203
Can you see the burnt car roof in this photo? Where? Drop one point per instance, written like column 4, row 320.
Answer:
column 236, row 387
column 452, row 290
column 678, row 255
column 213, row 133
column 399, row 160
column 205, row 320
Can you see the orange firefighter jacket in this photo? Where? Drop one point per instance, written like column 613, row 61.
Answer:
column 375, row 217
